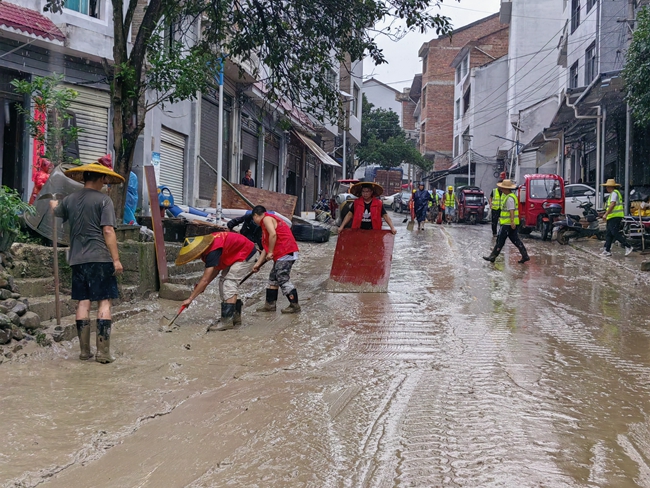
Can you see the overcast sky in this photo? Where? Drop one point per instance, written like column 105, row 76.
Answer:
column 402, row 56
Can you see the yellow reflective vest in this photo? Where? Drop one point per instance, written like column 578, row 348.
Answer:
column 504, row 217
column 496, row 199
column 618, row 210
column 450, row 200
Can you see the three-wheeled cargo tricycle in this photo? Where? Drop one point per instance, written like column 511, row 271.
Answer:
column 541, row 202
column 471, row 204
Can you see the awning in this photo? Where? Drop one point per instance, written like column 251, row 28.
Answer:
column 317, row 150
column 26, row 21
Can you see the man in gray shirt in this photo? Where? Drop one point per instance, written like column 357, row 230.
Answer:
column 93, row 256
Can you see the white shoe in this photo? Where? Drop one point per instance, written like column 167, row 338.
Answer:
column 606, row 253
column 628, row 251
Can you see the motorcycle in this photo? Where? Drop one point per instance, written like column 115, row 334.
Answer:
column 322, row 210
column 571, row 228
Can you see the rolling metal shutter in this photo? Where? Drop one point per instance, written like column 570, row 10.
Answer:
column 91, row 112
column 272, row 149
column 249, row 144
column 172, row 162
column 209, row 149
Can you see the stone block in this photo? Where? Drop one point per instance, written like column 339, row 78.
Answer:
column 3, row 309
column 17, row 333
column 645, row 266
column 20, row 309
column 5, row 336
column 5, row 294
column 15, row 318
column 5, row 321
column 170, row 291
column 30, row 321
column 63, row 332
column 10, row 303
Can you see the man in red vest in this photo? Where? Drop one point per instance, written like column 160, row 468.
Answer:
column 368, row 210
column 228, row 255
column 281, row 247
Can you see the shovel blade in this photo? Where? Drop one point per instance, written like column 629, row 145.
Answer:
column 362, row 261
column 410, row 225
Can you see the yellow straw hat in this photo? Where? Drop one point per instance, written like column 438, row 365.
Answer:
column 610, row 182
column 193, row 247
column 507, row 184
column 357, row 187
column 77, row 173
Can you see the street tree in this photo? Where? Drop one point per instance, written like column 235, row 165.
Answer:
column 384, row 142
column 173, row 55
column 637, row 70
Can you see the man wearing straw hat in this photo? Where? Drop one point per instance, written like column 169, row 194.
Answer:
column 367, row 211
column 614, row 214
column 509, row 220
column 228, row 255
column 93, row 254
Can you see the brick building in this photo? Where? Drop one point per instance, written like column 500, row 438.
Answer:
column 435, row 108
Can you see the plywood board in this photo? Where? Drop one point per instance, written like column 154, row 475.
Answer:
column 158, row 236
column 278, row 202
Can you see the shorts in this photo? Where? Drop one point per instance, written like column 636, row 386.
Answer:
column 230, row 277
column 94, row 282
column 280, row 276
column 450, row 211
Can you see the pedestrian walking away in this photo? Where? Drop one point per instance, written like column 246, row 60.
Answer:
column 495, row 205
column 280, row 246
column 613, row 216
column 228, row 255
column 93, row 254
column 367, row 211
column 421, row 199
column 509, row 221
column 248, row 179
column 451, row 202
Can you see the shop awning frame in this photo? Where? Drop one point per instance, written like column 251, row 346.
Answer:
column 317, row 150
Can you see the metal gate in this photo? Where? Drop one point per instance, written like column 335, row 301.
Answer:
column 91, row 113
column 172, row 162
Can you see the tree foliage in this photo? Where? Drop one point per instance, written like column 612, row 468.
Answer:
column 298, row 44
column 637, row 70
column 384, row 142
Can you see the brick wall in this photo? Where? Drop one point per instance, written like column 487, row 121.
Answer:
column 439, row 79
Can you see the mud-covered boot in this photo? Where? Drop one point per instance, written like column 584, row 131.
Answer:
column 271, row 298
column 236, row 318
column 524, row 258
column 103, row 342
column 226, row 323
column 492, row 257
column 83, row 332
column 293, row 303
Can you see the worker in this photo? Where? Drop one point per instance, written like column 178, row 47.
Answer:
column 451, row 202
column 421, row 200
column 495, row 205
column 614, row 214
column 509, row 221
column 249, row 229
column 228, row 255
column 280, row 246
column 368, row 210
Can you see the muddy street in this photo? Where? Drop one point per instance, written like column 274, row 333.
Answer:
column 466, row 374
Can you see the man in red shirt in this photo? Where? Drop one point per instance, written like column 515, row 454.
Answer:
column 228, row 255
column 280, row 246
column 368, row 210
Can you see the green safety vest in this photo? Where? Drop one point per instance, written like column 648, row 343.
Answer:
column 450, row 200
column 496, row 199
column 504, row 217
column 618, row 211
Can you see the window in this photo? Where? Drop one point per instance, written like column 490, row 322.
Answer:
column 424, row 97
column 466, row 99
column 458, row 109
column 573, row 75
column 590, row 4
column 458, row 75
column 465, row 66
column 331, row 78
column 425, row 61
column 86, row 7
column 456, row 143
column 355, row 100
column 575, row 14
column 590, row 63
column 423, row 135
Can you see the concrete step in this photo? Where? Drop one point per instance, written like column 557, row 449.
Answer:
column 38, row 287
column 189, row 268
column 190, row 279
column 171, row 250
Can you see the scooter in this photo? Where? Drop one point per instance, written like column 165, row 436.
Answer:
column 571, row 228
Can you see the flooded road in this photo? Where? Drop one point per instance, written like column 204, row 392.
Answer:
column 466, row 374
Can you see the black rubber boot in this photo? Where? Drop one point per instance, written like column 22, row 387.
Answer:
column 83, row 332
column 271, row 298
column 103, row 342
column 492, row 257
column 293, row 302
column 236, row 318
column 524, row 258
column 226, row 322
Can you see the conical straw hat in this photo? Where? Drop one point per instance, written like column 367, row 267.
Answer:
column 77, row 173
column 192, row 248
column 357, row 187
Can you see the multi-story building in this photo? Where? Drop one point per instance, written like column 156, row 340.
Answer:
column 383, row 96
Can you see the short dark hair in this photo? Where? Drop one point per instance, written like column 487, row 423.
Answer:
column 92, row 176
column 259, row 210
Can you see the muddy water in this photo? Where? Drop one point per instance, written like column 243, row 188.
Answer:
column 464, row 374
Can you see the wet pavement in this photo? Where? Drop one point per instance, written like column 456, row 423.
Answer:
column 465, row 373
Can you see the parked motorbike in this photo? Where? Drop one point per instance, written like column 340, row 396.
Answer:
column 322, row 210
column 571, row 228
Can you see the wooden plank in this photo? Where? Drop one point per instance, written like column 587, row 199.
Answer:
column 278, row 202
column 158, row 236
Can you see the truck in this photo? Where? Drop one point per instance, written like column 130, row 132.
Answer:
column 390, row 179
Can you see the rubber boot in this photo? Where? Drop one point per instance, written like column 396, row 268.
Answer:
column 492, row 257
column 524, row 258
column 227, row 312
column 103, row 342
column 83, row 332
column 236, row 318
column 293, row 303
column 271, row 298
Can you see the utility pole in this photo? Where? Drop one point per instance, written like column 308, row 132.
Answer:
column 628, row 112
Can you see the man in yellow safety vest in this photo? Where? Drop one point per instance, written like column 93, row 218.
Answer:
column 614, row 213
column 495, row 205
column 509, row 220
column 451, row 202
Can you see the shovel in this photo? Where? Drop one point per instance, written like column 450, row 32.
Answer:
column 55, row 249
column 164, row 319
column 411, row 224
